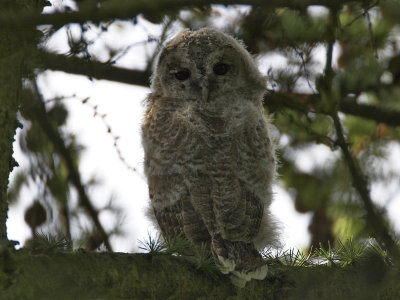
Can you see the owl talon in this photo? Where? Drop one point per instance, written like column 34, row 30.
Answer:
column 258, row 273
column 226, row 265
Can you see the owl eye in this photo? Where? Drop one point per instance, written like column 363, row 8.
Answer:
column 220, row 69
column 182, row 74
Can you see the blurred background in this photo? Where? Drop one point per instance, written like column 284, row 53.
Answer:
column 80, row 171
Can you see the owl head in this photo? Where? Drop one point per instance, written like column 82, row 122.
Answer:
column 206, row 66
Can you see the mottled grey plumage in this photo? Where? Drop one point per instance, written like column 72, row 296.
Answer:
column 209, row 158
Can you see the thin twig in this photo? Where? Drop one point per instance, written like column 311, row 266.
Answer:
column 363, row 14
column 115, row 138
column 304, row 65
column 371, row 35
column 166, row 25
column 150, row 39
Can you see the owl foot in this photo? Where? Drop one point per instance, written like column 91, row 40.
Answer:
column 258, row 273
column 240, row 278
column 250, row 264
column 241, row 260
column 226, row 265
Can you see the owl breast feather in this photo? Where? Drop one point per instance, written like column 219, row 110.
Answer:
column 182, row 138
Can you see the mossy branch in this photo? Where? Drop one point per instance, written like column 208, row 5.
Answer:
column 91, row 275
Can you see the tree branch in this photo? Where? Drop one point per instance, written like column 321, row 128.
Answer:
column 297, row 101
column 360, row 183
column 115, row 9
column 372, row 112
column 330, row 101
column 306, row 102
column 37, row 109
column 91, row 275
column 93, row 69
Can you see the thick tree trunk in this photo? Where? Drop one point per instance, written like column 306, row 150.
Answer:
column 10, row 82
column 15, row 45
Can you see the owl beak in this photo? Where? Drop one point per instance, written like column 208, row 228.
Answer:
column 204, row 91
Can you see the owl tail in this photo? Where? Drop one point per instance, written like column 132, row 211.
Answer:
column 239, row 259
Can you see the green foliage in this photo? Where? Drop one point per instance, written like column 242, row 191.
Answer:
column 302, row 28
column 178, row 244
column 342, row 255
column 200, row 257
column 44, row 243
column 290, row 258
column 152, row 245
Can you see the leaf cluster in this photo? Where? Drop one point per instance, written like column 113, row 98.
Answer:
column 200, row 257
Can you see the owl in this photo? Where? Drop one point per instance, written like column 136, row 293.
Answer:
column 209, row 158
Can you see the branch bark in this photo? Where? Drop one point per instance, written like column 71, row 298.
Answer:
column 94, row 69
column 10, row 83
column 306, row 102
column 15, row 46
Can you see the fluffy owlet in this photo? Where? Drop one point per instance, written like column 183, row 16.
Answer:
column 209, row 158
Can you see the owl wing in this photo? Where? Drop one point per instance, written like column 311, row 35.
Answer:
column 228, row 195
column 168, row 214
column 232, row 220
column 177, row 217
column 168, row 144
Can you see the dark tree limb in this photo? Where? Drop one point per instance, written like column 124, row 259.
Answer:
column 37, row 110
column 91, row 275
column 114, row 9
column 312, row 102
column 274, row 100
column 94, row 69
column 372, row 112
column 374, row 219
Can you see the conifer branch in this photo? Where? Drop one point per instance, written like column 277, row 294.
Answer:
column 330, row 101
column 36, row 107
column 374, row 219
column 274, row 100
column 115, row 9
column 92, row 69
column 312, row 102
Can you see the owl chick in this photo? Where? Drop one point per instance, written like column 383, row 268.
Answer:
column 209, row 158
